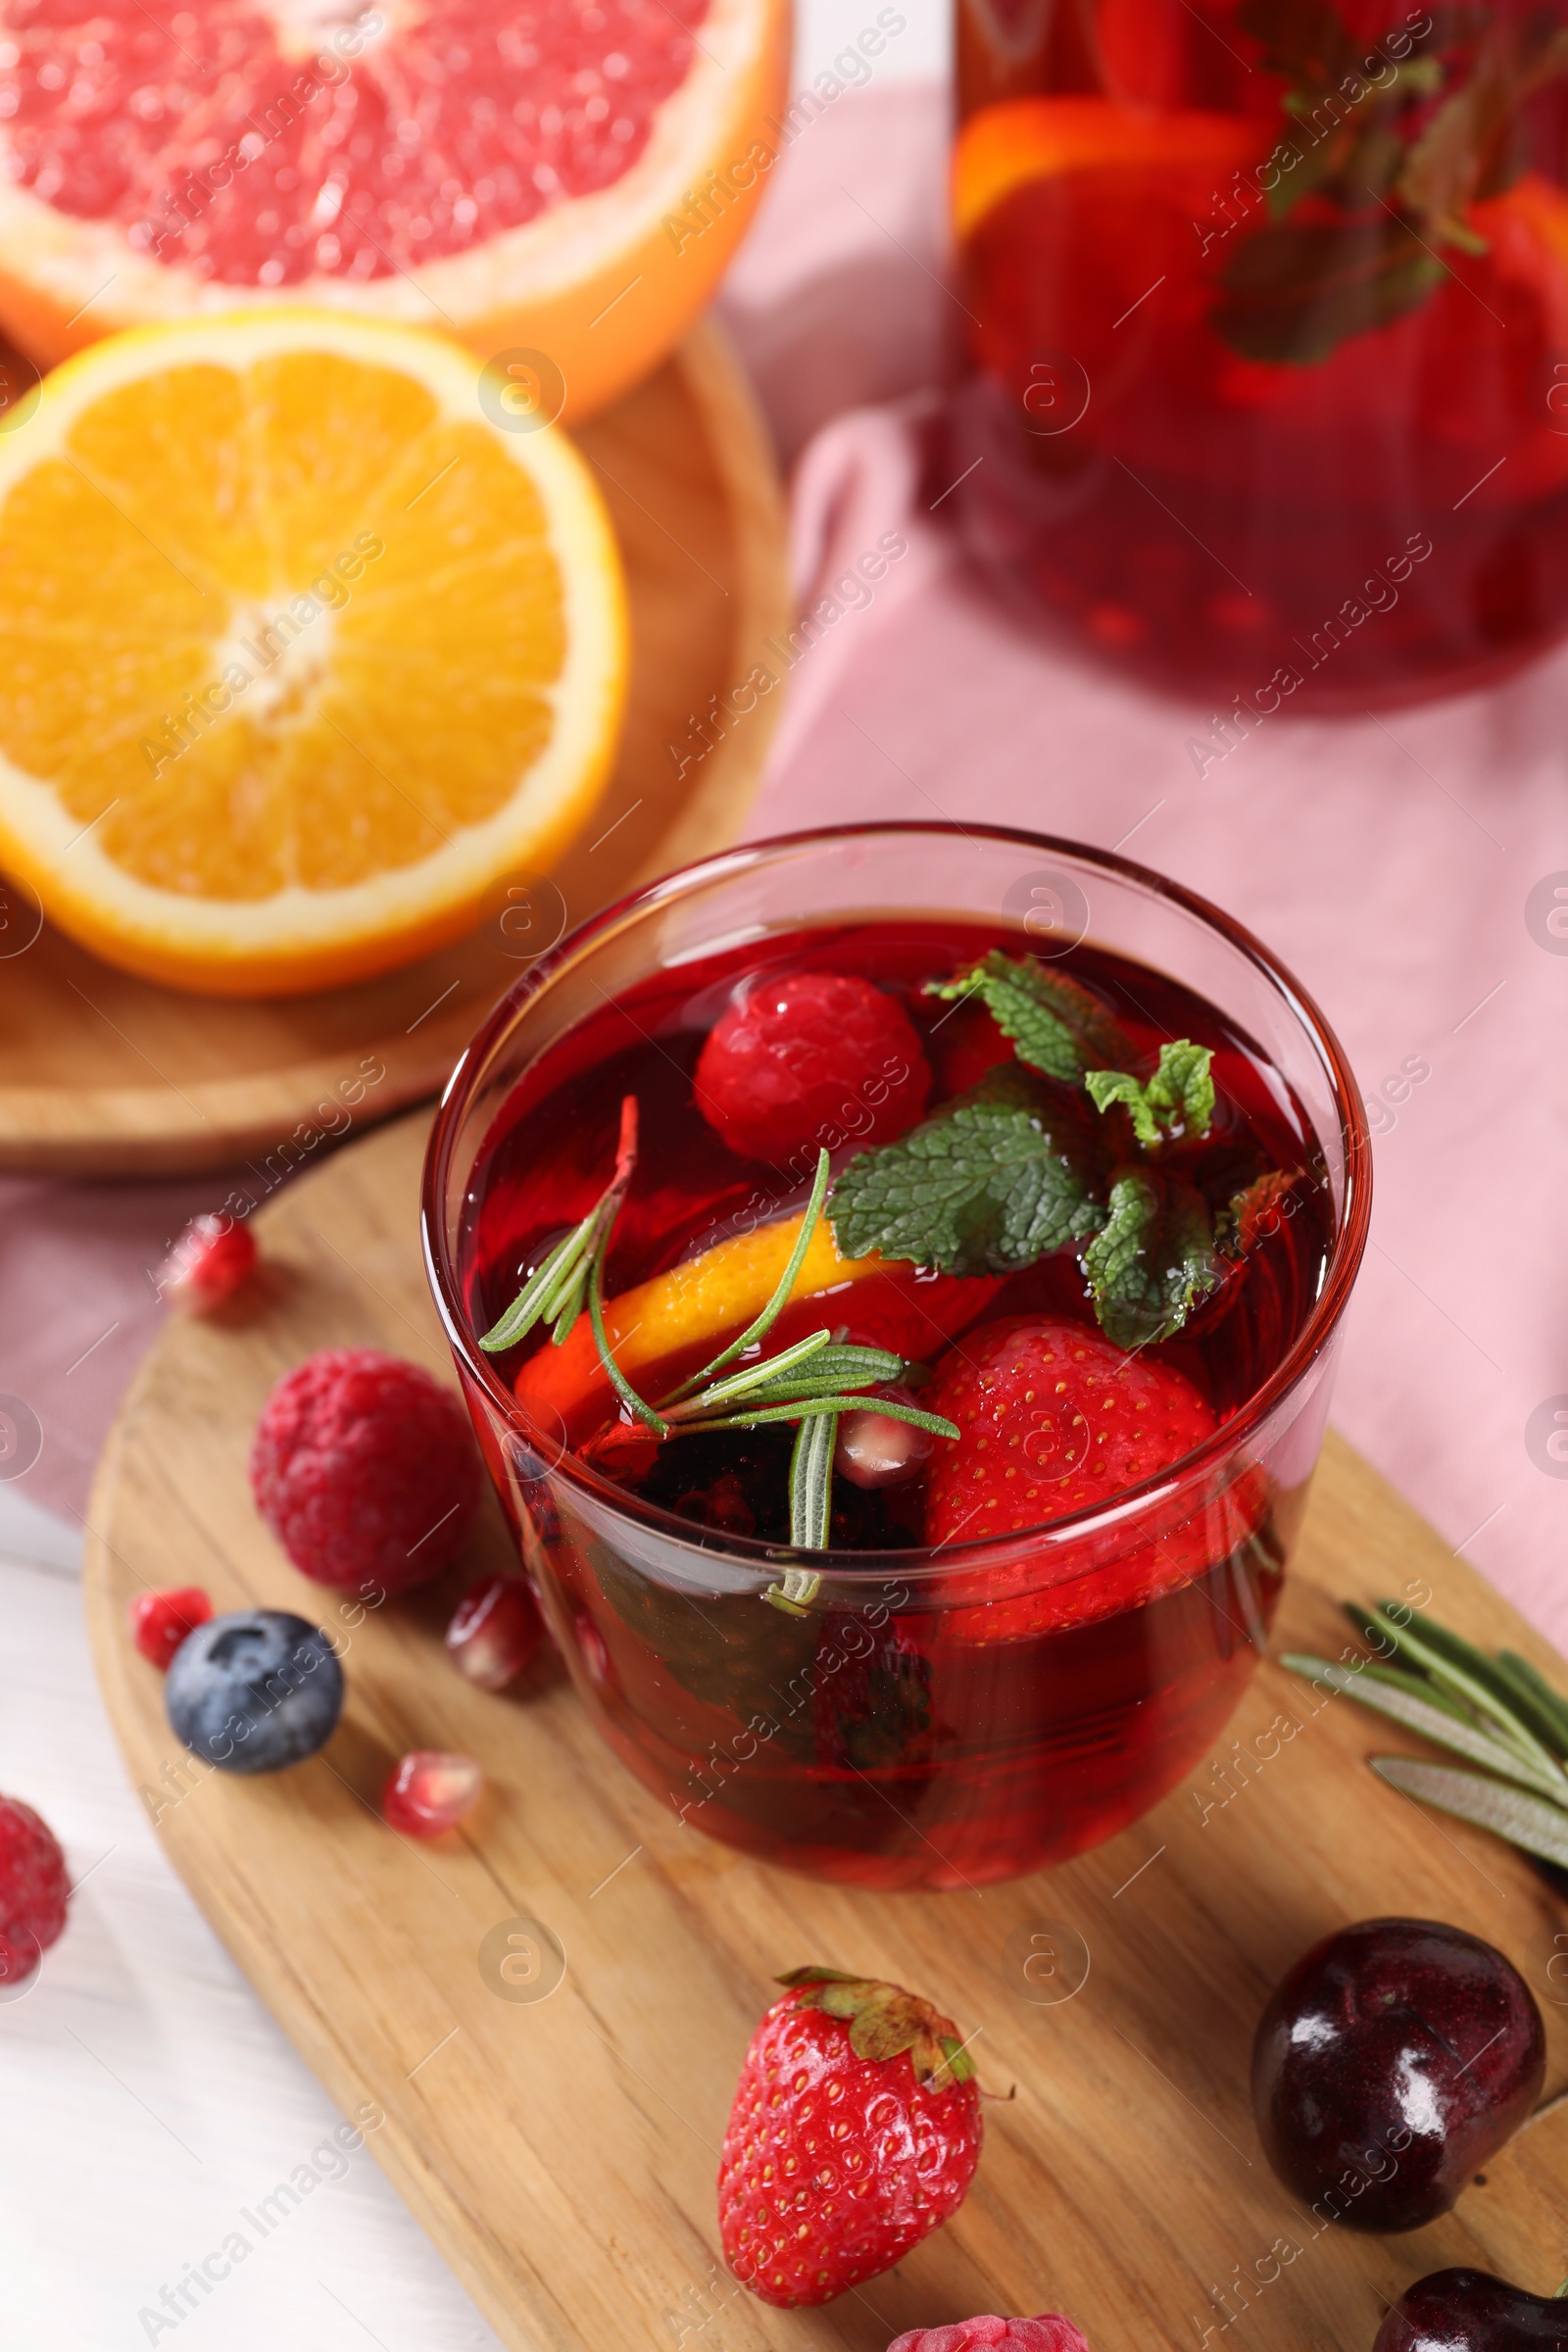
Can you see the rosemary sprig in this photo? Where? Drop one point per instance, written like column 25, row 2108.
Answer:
column 781, row 1291
column 1496, row 1712
column 553, row 1292
column 811, row 1381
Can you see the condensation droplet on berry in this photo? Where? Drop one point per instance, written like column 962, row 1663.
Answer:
column 431, row 1791
column 494, row 1632
column 207, row 1265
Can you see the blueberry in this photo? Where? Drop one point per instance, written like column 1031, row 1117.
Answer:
column 254, row 1691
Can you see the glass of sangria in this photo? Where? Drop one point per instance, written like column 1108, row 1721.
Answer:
column 1268, row 301
column 925, row 1530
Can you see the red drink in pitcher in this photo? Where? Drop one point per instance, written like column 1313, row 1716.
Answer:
column 1270, row 304
column 905, row 1409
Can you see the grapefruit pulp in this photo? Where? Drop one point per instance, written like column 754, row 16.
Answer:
column 555, row 178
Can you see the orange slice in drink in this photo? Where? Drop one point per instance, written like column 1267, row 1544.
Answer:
column 662, row 1329
column 1082, row 224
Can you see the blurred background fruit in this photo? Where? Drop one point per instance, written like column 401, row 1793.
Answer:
column 570, row 178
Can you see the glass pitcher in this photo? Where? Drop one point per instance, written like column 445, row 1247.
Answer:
column 1268, row 301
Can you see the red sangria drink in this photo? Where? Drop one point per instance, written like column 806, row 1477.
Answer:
column 1269, row 304
column 900, row 1335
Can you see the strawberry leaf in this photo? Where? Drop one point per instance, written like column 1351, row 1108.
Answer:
column 1154, row 1260
column 996, row 1180
column 1179, row 1099
column 885, row 2020
column 1056, row 1025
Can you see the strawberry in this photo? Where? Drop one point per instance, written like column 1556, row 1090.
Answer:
column 811, row 1058
column 1055, row 1418
column 855, row 2134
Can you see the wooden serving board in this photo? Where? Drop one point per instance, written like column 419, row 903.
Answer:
column 101, row 1072
column 562, row 2151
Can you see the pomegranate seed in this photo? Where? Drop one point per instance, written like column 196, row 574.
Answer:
column 208, row 1264
column 160, row 1621
column 430, row 1792
column 495, row 1632
column 875, row 1450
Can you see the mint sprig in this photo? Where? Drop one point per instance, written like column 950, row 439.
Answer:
column 1011, row 1172
column 1179, row 1099
column 1392, row 157
column 1153, row 1261
column 1492, row 1710
column 994, row 1180
column 1245, row 1218
column 1056, row 1025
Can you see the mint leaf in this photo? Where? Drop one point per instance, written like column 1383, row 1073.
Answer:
column 1241, row 1222
column 1056, row 1025
column 1293, row 293
column 1303, row 41
column 996, row 1180
column 1179, row 1097
column 1153, row 1259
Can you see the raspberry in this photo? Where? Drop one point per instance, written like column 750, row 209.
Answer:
column 365, row 1470
column 1052, row 1419
column 1049, row 2333
column 811, row 1058
column 34, row 1890
column 160, row 1621
column 208, row 1264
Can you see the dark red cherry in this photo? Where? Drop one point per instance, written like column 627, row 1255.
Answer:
column 1394, row 2059
column 1470, row 2311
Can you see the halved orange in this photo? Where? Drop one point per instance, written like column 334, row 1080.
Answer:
column 302, row 651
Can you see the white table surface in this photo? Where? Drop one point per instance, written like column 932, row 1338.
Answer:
column 149, row 2098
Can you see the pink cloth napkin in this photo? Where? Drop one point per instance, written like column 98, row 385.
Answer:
column 1390, row 864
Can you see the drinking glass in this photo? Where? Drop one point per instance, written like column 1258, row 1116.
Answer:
column 935, row 1718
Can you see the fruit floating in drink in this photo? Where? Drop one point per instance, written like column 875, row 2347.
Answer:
column 1270, row 304
column 872, row 1326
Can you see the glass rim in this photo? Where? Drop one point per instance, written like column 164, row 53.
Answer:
column 1128, row 1505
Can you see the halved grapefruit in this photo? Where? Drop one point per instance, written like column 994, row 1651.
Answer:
column 564, row 179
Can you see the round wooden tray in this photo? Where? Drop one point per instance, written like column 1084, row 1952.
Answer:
column 563, row 2151
column 104, row 1073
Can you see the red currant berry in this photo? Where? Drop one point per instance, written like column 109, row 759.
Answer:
column 160, row 1621
column 494, row 1632
column 430, row 1792
column 810, row 1060
column 208, row 1264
